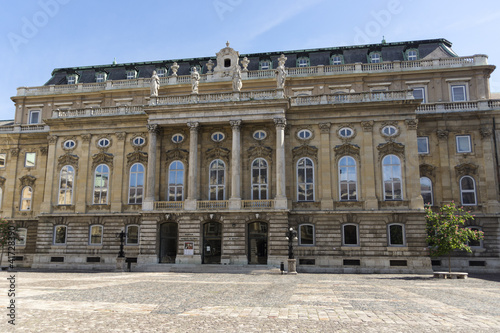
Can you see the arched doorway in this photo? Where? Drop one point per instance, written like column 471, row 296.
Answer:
column 257, row 243
column 168, row 242
column 212, row 243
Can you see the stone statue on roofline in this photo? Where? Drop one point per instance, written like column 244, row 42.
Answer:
column 155, row 84
column 195, row 80
column 281, row 72
column 237, row 83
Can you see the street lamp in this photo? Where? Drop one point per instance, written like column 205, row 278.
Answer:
column 291, row 235
column 122, row 236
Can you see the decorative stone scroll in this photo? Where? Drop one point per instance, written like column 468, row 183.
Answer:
column 391, row 148
column 485, row 133
column 427, row 170
column 137, row 157
column 67, row 159
column 259, row 151
column 52, row 139
column 280, row 122
column 218, row 152
column 325, row 127
column 86, row 137
column 193, row 126
column 367, row 125
column 305, row 151
column 153, row 128
column 27, row 180
column 411, row 124
column 44, row 151
column 102, row 158
column 442, row 134
column 466, row 169
column 347, row 149
column 14, row 152
column 177, row 154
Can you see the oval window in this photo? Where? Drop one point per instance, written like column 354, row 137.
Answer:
column 259, row 135
column 103, row 142
column 389, row 130
column 217, row 136
column 346, row 132
column 68, row 144
column 304, row 134
column 139, row 141
column 177, row 138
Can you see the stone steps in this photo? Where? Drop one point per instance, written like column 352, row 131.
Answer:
column 187, row 268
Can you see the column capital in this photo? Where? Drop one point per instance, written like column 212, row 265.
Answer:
column 52, row 139
column 442, row 134
column 153, row 128
column 194, row 126
column 367, row 125
column 235, row 124
column 121, row 136
column 411, row 124
column 280, row 122
column 325, row 127
column 86, row 137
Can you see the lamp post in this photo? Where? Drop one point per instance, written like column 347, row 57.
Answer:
column 291, row 235
column 120, row 261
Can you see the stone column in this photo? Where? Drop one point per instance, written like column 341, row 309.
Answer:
column 412, row 166
column 325, row 167
column 444, row 165
column 148, row 203
column 118, row 180
column 493, row 205
column 49, row 175
column 235, row 199
column 190, row 203
column 83, row 177
column 280, row 200
column 367, row 172
column 11, row 197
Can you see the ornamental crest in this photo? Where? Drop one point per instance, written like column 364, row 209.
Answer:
column 67, row 159
column 466, row 169
column 390, row 148
column 102, row 158
column 427, row 170
column 260, row 151
column 27, row 180
column 137, row 157
column 177, row 154
column 218, row 152
column 347, row 149
column 303, row 151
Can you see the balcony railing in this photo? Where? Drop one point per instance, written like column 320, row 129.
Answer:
column 260, row 204
column 106, row 111
column 217, row 97
column 458, row 106
column 142, row 83
column 168, row 205
column 394, row 95
column 212, row 204
column 25, row 128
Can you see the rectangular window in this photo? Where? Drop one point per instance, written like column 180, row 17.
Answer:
column 350, row 235
column 29, row 161
column 60, row 235
column 463, row 144
column 3, row 160
column 337, row 60
column 306, row 234
column 423, row 145
column 458, row 93
column 396, row 235
column 22, row 232
column 95, row 235
column 132, row 235
column 34, row 117
column 100, row 77
column 161, row 72
column 419, row 93
column 131, row 75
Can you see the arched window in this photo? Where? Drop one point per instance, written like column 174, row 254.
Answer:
column 101, row 184
column 217, row 188
column 350, row 235
column 95, row 235
column 396, row 234
column 259, row 179
column 305, row 179
column 26, row 197
column 132, row 235
column 136, row 184
column 66, row 183
column 347, row 179
column 306, row 234
column 391, row 173
column 468, row 191
column 426, row 190
column 176, row 181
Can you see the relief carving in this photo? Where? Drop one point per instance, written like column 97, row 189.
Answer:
column 218, row 152
column 411, row 124
column 259, row 151
column 102, row 158
column 367, row 125
column 67, row 159
column 442, row 134
column 177, row 154
column 485, row 133
column 136, row 157
column 305, row 151
column 2, row 181
column 427, row 170
column 466, row 169
column 27, row 180
column 347, row 149
column 390, row 148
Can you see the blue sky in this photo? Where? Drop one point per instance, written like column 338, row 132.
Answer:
column 37, row 36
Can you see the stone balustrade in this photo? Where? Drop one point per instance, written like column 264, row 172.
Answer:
column 352, row 97
column 217, row 97
column 143, row 83
column 105, row 111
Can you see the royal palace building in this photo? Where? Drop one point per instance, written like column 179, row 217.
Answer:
column 211, row 160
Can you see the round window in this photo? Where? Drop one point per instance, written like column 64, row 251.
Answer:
column 103, row 142
column 259, row 135
column 68, row 144
column 346, row 132
column 304, row 134
column 217, row 136
column 389, row 130
column 138, row 141
column 177, row 138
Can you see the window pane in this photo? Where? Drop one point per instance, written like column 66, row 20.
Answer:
column 463, row 144
column 132, row 234
column 396, row 235
column 468, row 198
column 60, row 235
column 350, row 235
column 30, row 159
column 458, row 93
column 306, row 235
column 423, row 146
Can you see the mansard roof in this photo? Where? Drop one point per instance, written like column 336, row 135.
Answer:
column 320, row 56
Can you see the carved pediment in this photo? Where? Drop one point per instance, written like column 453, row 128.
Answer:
column 260, row 151
column 466, row 169
column 102, row 158
column 347, row 149
column 305, row 150
column 390, row 148
column 27, row 180
column 177, row 154
column 218, row 152
column 427, row 170
column 67, row 159
column 137, row 157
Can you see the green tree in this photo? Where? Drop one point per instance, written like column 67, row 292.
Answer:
column 445, row 231
column 8, row 234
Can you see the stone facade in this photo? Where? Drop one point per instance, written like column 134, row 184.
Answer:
column 219, row 175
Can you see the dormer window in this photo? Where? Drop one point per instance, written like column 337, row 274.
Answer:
column 72, row 78
column 100, row 77
column 303, row 62
column 265, row 64
column 161, row 72
column 375, row 57
column 131, row 74
column 411, row 55
column 337, row 59
column 227, row 63
column 34, row 117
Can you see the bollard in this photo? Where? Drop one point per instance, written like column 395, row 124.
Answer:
column 282, row 267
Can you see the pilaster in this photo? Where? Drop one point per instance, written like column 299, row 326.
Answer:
column 193, row 193
column 118, row 180
column 444, row 161
column 235, row 199
column 412, row 166
column 325, row 167
column 368, row 167
column 49, row 175
column 83, row 176
column 280, row 200
column 151, row 174
column 492, row 205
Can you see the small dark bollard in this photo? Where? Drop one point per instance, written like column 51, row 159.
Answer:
column 282, row 267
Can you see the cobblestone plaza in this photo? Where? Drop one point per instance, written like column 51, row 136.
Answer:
column 198, row 302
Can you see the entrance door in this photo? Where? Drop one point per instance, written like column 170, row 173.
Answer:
column 257, row 243
column 212, row 242
column 168, row 242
